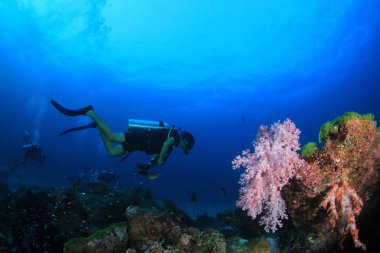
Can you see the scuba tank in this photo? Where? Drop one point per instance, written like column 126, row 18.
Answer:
column 27, row 147
column 142, row 126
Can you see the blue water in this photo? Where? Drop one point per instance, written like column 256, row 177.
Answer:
column 200, row 65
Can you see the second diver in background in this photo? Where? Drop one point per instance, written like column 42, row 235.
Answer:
column 32, row 151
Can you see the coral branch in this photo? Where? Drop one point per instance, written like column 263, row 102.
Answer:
column 267, row 171
column 350, row 205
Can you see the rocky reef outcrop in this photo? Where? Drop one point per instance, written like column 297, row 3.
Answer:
column 149, row 231
column 333, row 195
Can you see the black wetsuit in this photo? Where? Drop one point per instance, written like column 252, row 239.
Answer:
column 150, row 140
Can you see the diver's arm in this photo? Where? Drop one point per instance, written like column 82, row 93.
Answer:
column 160, row 158
column 164, row 150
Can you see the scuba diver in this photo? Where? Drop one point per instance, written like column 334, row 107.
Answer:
column 32, row 150
column 155, row 138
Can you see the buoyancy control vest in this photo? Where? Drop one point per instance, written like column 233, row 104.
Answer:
column 152, row 133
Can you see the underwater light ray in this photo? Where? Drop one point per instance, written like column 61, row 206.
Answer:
column 188, row 44
column 266, row 40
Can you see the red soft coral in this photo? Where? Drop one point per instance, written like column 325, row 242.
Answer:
column 350, row 205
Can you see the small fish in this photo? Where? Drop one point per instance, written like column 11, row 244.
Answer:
column 78, row 184
column 194, row 198
column 243, row 118
column 153, row 176
column 223, row 191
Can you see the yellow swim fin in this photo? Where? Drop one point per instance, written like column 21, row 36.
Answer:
column 153, row 176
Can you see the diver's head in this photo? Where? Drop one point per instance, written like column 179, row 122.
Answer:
column 188, row 142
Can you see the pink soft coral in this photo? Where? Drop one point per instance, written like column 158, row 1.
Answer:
column 267, row 170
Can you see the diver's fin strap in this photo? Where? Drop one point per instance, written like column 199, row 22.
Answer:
column 91, row 125
column 167, row 138
column 124, row 157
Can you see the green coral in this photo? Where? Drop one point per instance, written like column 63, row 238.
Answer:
column 210, row 241
column 80, row 244
column 332, row 127
column 76, row 243
column 308, row 149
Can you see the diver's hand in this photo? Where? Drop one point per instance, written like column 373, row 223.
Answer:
column 156, row 161
column 160, row 162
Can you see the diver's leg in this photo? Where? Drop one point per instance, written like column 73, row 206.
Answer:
column 26, row 157
column 104, row 129
column 107, row 136
column 116, row 150
column 89, row 111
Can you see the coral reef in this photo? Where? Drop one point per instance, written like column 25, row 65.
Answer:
column 170, row 232
column 56, row 220
column 328, row 194
column 150, row 231
column 258, row 245
column 112, row 239
column 38, row 220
